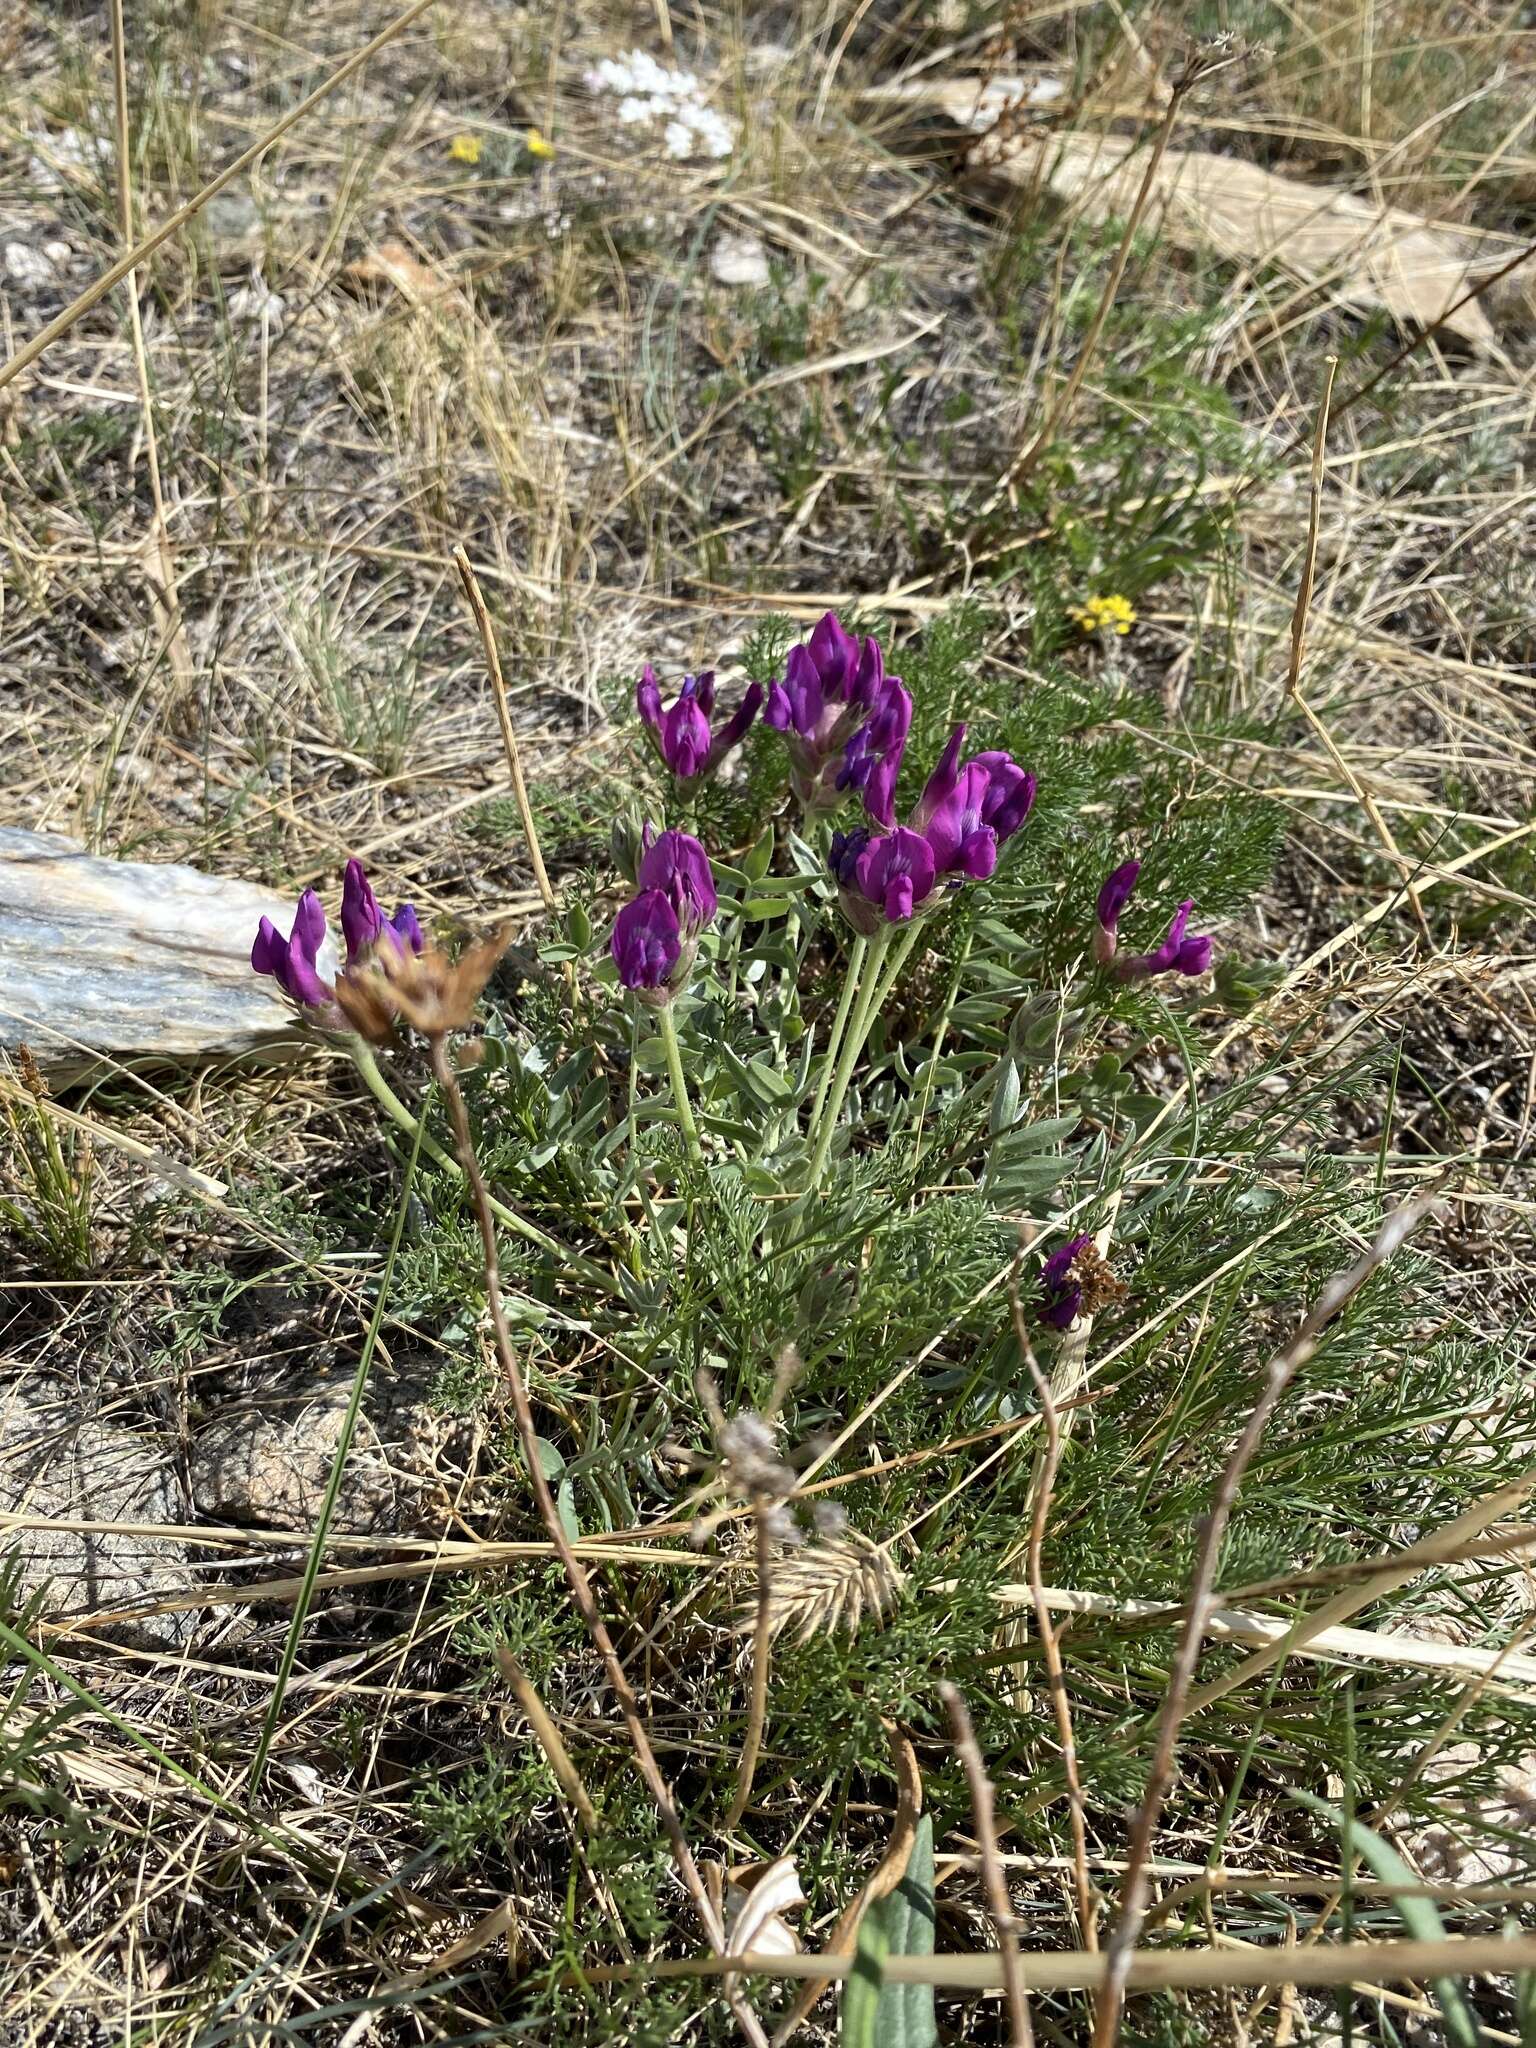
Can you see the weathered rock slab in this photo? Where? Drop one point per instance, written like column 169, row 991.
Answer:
column 62, row 1466
column 129, row 958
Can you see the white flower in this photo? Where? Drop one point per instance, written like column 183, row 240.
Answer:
column 651, row 93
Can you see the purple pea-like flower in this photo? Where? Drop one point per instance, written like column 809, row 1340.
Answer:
column 1182, row 951
column 293, row 962
column 1061, row 1294
column 991, row 798
column 965, row 814
column 682, row 734
column 1113, row 898
column 363, row 924
column 677, row 865
column 895, row 873
column 647, row 945
column 844, row 720
column 656, row 937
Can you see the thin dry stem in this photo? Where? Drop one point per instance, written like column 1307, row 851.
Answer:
column 1060, row 414
column 762, row 1657
column 549, row 1737
column 1362, row 795
column 1047, row 1463
column 1282, row 1368
column 167, row 597
column 482, row 617
column 575, row 1571
column 1020, row 2030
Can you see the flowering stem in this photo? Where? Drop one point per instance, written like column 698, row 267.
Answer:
column 851, row 979
column 853, row 1044
column 667, row 1025
column 385, row 1096
column 878, row 980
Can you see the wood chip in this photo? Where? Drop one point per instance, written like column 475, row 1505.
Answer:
column 1365, row 256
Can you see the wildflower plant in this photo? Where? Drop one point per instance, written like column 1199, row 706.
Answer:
column 871, row 1010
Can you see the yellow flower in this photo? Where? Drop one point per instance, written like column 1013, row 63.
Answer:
column 465, row 149
column 537, row 144
column 1110, row 614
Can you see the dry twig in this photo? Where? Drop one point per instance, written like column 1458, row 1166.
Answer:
column 1047, row 1461
column 999, row 1905
column 1282, row 1368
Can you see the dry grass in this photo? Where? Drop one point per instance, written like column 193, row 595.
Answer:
column 366, row 354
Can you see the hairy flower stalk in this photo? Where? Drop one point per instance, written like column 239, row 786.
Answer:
column 852, row 975
column 890, row 876
column 656, row 939
column 876, row 981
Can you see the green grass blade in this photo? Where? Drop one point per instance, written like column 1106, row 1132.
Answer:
column 1418, row 1914
column 338, row 1464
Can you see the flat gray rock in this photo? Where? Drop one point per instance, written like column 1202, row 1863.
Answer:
column 130, row 958
column 60, row 1466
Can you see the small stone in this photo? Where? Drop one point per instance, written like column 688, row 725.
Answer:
column 256, row 302
column 269, row 1463
column 26, row 265
column 739, row 260
column 234, row 222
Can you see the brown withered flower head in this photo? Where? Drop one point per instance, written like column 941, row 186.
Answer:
column 426, row 991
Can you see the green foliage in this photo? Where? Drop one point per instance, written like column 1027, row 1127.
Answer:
column 877, row 2014
column 47, row 1184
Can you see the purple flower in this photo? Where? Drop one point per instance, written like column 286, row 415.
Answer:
column 1113, row 898
column 1180, row 952
column 1061, row 1294
column 293, row 962
column 677, row 865
column 844, row 720
column 363, row 924
column 991, row 798
column 896, row 872
column 682, row 735
column 1177, row 954
column 843, row 858
column 656, row 936
column 965, row 814
column 647, row 945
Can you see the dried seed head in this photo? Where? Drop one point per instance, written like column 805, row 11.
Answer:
column 427, row 991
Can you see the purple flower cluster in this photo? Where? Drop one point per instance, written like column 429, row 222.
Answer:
column 682, row 734
column 844, row 720
column 967, row 812
column 1182, row 951
column 294, row 962
column 656, row 936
